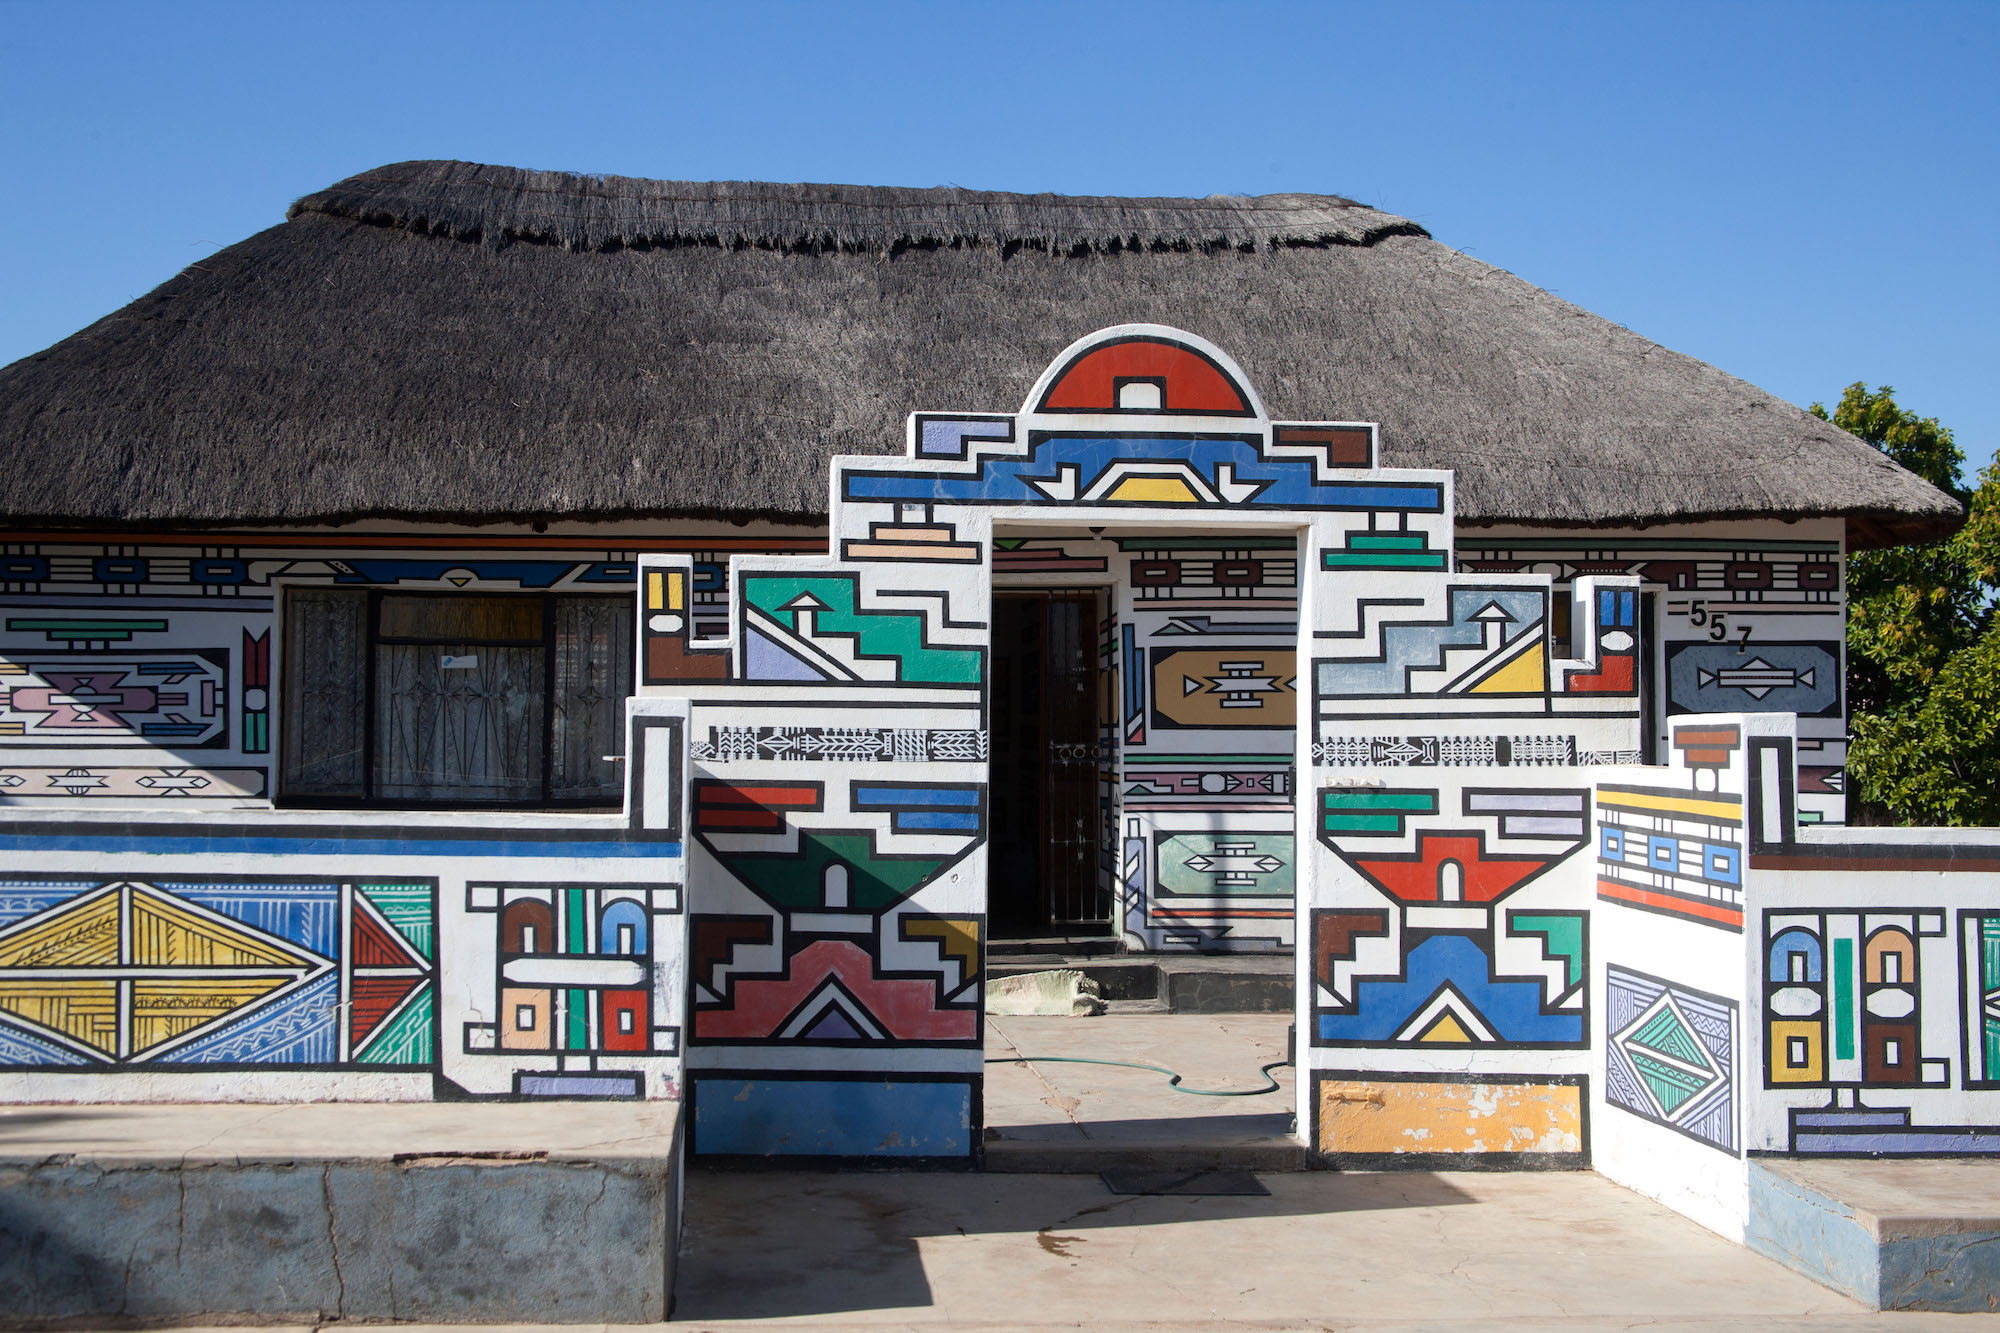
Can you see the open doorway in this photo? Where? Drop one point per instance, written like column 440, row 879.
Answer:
column 1089, row 1018
column 1044, row 852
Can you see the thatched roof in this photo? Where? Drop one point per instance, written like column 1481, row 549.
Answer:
column 444, row 341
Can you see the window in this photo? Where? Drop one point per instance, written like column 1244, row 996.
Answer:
column 407, row 699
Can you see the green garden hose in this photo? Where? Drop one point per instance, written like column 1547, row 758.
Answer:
column 1173, row 1079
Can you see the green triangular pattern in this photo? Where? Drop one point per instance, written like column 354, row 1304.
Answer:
column 796, row 882
column 1664, row 1032
column 404, row 1039
column 407, row 907
column 1673, row 1087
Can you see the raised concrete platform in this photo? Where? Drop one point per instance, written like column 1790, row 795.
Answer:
column 1896, row 1233
column 564, row 1212
column 1046, row 1112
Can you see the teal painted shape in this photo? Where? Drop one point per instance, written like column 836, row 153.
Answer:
column 1561, row 934
column 1225, row 865
column 1989, row 983
column 1672, row 1085
column 1843, row 999
column 1365, row 811
column 894, row 635
column 1666, row 1034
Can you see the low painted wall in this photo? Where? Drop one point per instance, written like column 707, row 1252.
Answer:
column 1671, row 870
column 1874, row 993
column 166, row 956
column 1772, row 987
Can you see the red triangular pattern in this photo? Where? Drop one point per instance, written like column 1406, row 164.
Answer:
column 1413, row 878
column 372, row 1000
column 375, row 945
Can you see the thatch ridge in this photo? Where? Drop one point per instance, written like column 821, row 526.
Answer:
column 333, row 368
column 470, row 202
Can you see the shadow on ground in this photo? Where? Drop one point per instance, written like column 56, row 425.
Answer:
column 773, row 1245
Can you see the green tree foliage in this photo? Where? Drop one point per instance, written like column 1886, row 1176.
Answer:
column 1923, row 640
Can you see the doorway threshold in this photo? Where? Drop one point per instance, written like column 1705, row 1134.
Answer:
column 1176, row 983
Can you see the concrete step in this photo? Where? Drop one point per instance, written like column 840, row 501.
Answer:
column 1114, row 1008
column 1069, row 946
column 1185, row 984
column 1135, row 978
column 1196, row 988
column 1903, row 1233
column 1027, row 1156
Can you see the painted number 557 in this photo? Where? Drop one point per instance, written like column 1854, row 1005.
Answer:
column 1718, row 624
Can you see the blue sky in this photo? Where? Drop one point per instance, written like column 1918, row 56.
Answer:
column 1802, row 194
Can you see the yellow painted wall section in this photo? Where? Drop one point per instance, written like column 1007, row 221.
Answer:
column 1388, row 1116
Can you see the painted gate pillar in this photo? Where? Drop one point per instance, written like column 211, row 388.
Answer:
column 1444, row 983
column 840, row 757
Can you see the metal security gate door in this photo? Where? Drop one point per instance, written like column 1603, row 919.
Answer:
column 1043, row 856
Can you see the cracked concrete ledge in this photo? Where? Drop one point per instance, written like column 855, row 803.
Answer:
column 1895, row 1234
column 461, row 1213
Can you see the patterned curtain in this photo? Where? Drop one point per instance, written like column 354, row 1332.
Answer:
column 458, row 722
column 326, row 669
column 593, row 676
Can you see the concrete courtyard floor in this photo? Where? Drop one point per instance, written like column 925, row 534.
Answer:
column 1396, row 1252
column 1379, row 1251
column 1020, row 1248
column 1049, row 1111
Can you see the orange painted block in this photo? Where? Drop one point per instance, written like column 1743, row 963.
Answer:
column 1390, row 1115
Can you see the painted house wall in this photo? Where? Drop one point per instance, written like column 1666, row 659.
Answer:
column 357, row 956
column 1518, row 946
column 1744, row 617
column 145, row 671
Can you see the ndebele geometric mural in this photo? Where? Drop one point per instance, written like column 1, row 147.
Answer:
column 841, row 747
column 257, row 973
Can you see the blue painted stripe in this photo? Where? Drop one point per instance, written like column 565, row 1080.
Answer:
column 311, row 846
column 624, row 1087
column 1969, row 1141
column 917, row 796
column 944, row 819
column 797, row 1117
